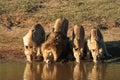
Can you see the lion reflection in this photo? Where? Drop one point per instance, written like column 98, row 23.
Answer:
column 28, row 72
column 33, row 71
column 89, row 71
column 98, row 71
column 57, row 72
column 79, row 72
column 68, row 71
column 49, row 72
column 42, row 71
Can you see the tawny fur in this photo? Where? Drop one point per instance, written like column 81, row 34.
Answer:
column 56, row 41
column 97, row 46
column 32, row 41
column 53, row 47
column 61, row 25
column 78, row 42
column 28, row 45
column 49, row 72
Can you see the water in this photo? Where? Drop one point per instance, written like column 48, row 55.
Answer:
column 59, row 71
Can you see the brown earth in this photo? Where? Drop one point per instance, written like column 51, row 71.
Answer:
column 11, row 34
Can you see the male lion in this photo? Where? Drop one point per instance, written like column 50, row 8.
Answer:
column 56, row 42
column 32, row 41
column 97, row 46
column 78, row 42
column 54, row 47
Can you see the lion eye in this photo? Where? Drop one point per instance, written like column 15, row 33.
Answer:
column 76, row 48
column 26, row 47
column 93, row 50
column 30, row 46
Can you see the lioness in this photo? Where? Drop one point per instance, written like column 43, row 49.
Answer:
column 32, row 41
column 97, row 46
column 78, row 42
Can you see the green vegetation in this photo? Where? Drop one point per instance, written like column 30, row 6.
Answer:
column 74, row 10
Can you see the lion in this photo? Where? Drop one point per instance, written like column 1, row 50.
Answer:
column 54, row 47
column 61, row 25
column 33, row 71
column 79, row 72
column 97, row 46
column 28, row 73
column 32, row 42
column 49, row 72
column 78, row 42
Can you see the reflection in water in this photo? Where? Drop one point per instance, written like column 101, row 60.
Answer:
column 88, row 71
column 78, row 73
column 97, row 72
column 68, row 71
column 28, row 73
column 58, row 71
column 41, row 71
column 33, row 71
column 10, row 70
column 49, row 72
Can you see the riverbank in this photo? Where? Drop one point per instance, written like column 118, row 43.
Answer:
column 17, row 17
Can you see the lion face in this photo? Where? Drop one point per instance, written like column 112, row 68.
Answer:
column 94, row 45
column 28, row 52
column 96, row 54
column 48, row 56
column 95, row 51
column 78, row 53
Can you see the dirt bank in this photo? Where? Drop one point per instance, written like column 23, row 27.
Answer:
column 11, row 46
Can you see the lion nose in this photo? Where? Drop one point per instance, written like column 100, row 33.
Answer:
column 95, row 61
column 48, row 61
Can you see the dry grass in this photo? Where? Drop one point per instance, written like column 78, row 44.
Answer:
column 74, row 10
column 25, row 13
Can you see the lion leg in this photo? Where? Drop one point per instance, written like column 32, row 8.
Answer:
column 28, row 53
column 45, row 57
column 29, row 58
column 38, row 51
column 39, row 54
column 34, row 49
column 55, row 55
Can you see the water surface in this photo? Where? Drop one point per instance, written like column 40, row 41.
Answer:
column 59, row 71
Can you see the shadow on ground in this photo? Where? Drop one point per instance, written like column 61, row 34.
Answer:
column 113, row 48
